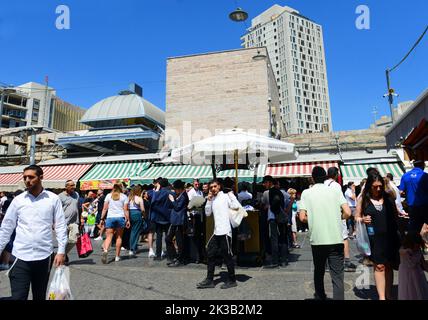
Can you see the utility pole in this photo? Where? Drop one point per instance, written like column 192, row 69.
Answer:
column 390, row 94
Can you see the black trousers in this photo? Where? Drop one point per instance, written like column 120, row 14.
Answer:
column 220, row 246
column 177, row 232
column 418, row 216
column 160, row 229
column 24, row 273
column 335, row 256
column 278, row 241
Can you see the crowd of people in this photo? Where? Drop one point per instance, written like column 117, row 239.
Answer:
column 175, row 214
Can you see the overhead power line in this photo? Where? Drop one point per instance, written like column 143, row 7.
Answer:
column 413, row 48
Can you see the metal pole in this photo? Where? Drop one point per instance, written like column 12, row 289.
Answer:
column 390, row 96
column 33, row 147
column 236, row 171
column 213, row 167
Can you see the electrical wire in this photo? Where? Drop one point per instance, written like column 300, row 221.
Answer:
column 413, row 48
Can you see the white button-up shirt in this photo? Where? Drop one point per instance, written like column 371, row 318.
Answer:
column 219, row 206
column 34, row 218
column 194, row 193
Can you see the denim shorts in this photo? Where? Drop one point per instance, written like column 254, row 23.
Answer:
column 115, row 223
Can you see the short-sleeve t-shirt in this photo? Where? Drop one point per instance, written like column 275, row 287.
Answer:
column 115, row 208
column 415, row 184
column 348, row 196
column 323, row 207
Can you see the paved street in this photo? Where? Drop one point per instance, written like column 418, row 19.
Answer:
column 143, row 279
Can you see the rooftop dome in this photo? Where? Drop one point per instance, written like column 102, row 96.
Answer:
column 124, row 107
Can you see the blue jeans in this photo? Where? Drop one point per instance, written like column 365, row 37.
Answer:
column 136, row 224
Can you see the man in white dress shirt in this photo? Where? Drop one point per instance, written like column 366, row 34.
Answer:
column 219, row 204
column 33, row 213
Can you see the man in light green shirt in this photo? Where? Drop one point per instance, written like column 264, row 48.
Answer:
column 323, row 208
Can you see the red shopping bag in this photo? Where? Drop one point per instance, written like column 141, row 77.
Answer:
column 84, row 246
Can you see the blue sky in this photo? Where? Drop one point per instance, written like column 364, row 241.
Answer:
column 113, row 43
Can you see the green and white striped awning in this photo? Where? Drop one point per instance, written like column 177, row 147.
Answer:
column 244, row 175
column 172, row 172
column 357, row 172
column 116, row 170
column 187, row 173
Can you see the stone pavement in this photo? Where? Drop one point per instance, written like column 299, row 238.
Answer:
column 142, row 278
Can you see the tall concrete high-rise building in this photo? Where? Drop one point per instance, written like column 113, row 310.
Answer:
column 34, row 104
column 296, row 50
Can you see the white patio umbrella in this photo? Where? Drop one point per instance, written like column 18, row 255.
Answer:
column 238, row 144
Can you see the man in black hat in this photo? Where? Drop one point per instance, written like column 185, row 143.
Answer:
column 178, row 215
column 322, row 208
column 273, row 202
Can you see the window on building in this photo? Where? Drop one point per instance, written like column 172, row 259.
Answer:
column 36, row 104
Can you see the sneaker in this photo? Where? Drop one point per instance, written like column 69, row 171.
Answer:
column 117, row 259
column 122, row 249
column 205, row 284
column 229, row 284
column 296, row 246
column 104, row 257
column 300, row 231
column 131, row 254
column 151, row 253
column 99, row 238
column 163, row 254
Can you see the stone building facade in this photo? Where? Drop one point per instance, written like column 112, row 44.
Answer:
column 213, row 92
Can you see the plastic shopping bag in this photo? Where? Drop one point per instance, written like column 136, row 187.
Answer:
column 59, row 288
column 363, row 242
column 236, row 216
